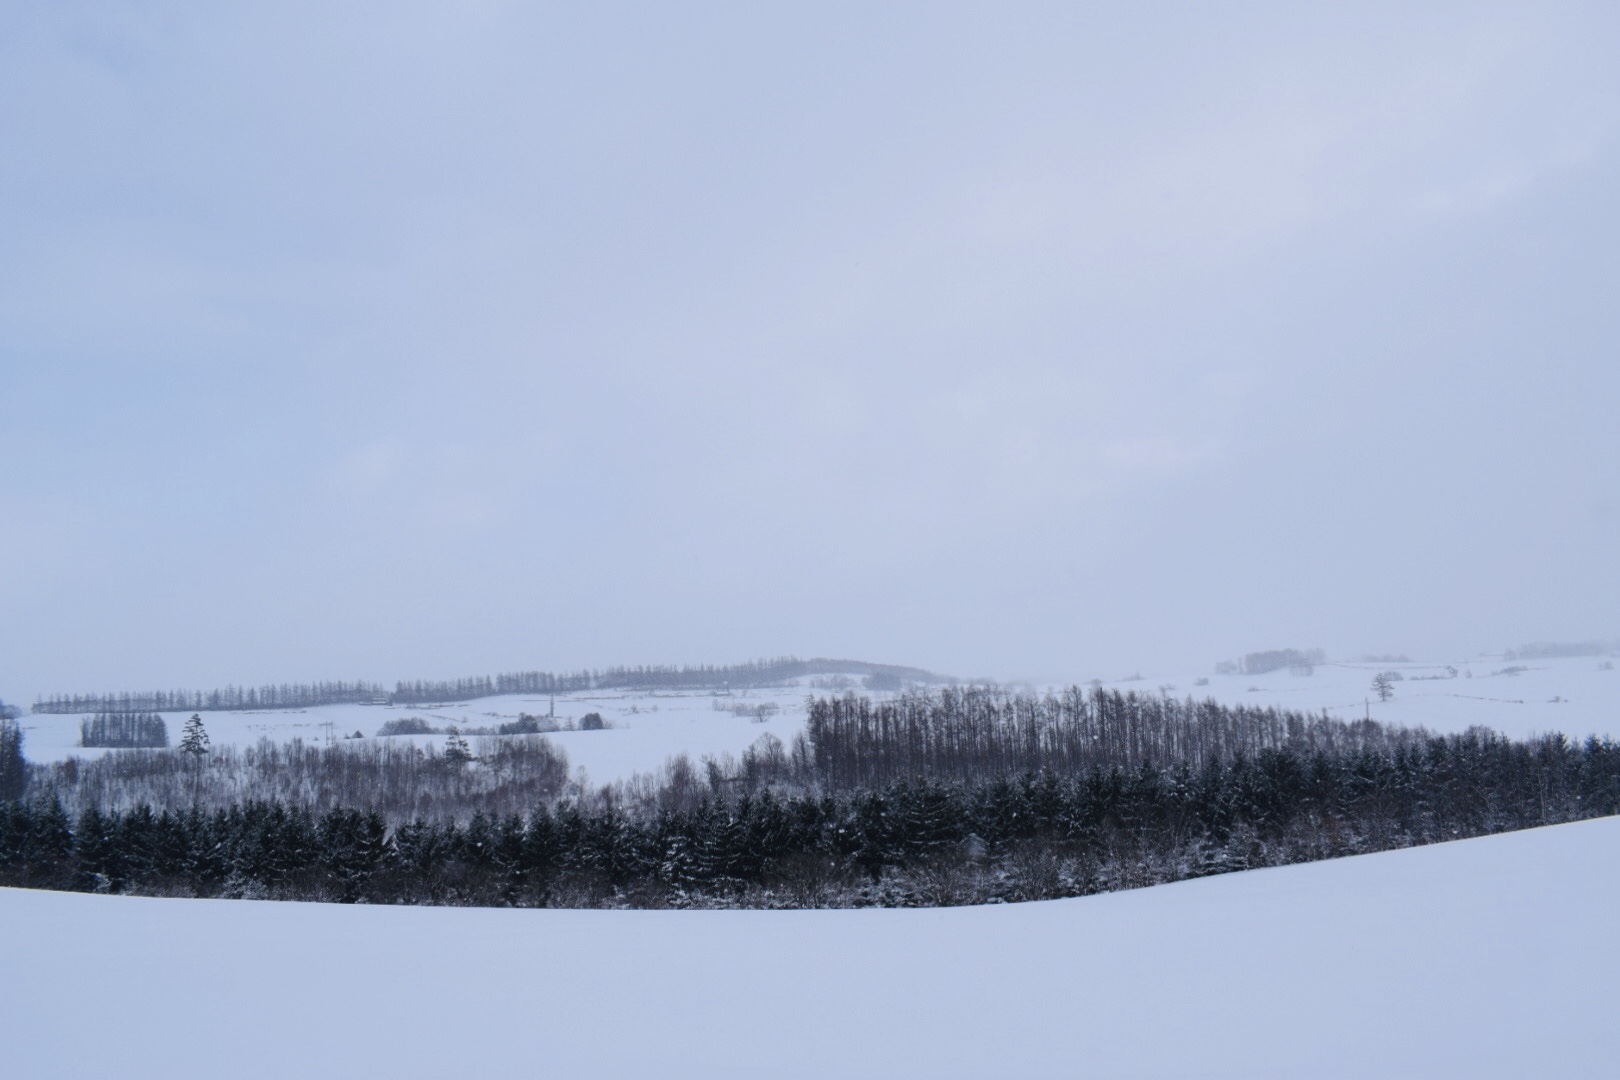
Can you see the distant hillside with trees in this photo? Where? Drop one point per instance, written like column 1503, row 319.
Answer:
column 960, row 795
column 753, row 674
column 1553, row 650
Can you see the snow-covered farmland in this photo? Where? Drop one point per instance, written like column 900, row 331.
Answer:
column 1578, row 696
column 644, row 729
column 1492, row 957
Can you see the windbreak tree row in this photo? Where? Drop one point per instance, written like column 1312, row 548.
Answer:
column 753, row 674
column 228, row 699
column 974, row 734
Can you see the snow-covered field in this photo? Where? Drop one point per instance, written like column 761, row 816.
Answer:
column 1577, row 696
column 1493, row 957
column 646, row 728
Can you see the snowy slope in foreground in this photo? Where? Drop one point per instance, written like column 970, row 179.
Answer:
column 1483, row 958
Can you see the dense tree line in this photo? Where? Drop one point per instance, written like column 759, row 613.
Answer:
column 229, row 699
column 525, row 724
column 907, row 842
column 1268, row 660
column 124, row 730
column 753, row 674
column 397, row 779
column 13, row 766
column 975, row 734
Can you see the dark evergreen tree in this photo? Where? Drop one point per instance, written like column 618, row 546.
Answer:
column 456, row 751
column 13, row 768
column 194, row 738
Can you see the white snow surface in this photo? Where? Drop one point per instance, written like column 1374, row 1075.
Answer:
column 1577, row 696
column 1493, row 957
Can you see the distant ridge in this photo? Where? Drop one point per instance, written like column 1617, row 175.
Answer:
column 1551, row 650
column 751, row 674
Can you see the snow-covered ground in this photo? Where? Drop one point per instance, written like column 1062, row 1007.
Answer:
column 1493, row 957
column 1577, row 696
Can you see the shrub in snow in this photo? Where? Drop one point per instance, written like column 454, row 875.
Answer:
column 407, row 725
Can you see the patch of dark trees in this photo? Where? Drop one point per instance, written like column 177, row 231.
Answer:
column 751, row 675
column 124, row 731
column 1267, row 660
column 398, row 779
column 407, row 725
column 945, row 798
column 974, row 734
column 525, row 724
column 13, row 766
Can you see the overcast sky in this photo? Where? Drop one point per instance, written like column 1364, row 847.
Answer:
column 1016, row 340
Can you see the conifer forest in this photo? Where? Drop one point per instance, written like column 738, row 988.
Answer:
column 944, row 796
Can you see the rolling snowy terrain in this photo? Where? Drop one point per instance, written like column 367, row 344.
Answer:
column 1578, row 696
column 1492, row 957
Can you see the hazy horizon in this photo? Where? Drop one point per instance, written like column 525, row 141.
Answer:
column 1030, row 342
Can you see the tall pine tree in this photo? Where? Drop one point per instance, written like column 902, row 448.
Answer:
column 13, row 772
column 194, row 739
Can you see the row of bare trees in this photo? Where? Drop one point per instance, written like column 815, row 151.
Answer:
column 400, row 780
column 227, row 699
column 974, row 734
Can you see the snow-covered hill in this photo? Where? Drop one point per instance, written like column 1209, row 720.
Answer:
column 1482, row 958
